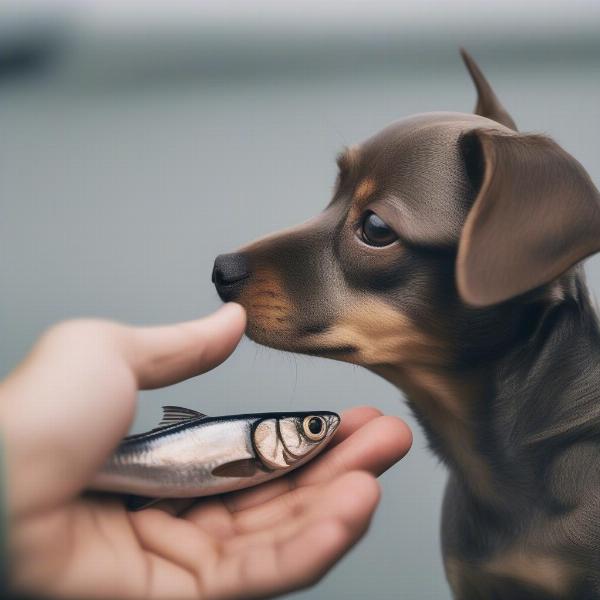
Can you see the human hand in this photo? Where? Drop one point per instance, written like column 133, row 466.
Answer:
column 65, row 409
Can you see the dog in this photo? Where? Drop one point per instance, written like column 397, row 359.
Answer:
column 448, row 262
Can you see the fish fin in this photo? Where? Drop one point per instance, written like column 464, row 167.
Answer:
column 135, row 503
column 245, row 467
column 178, row 414
column 172, row 415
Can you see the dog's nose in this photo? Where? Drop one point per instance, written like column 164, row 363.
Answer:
column 228, row 275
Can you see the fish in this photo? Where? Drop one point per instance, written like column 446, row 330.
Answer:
column 190, row 454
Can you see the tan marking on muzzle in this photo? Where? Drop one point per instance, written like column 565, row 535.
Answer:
column 381, row 334
column 268, row 306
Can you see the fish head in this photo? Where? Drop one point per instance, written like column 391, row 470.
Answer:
column 285, row 441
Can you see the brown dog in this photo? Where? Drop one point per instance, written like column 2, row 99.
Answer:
column 447, row 263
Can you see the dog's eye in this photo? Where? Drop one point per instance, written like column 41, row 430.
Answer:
column 376, row 232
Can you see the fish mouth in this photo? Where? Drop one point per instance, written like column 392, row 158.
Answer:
column 334, row 423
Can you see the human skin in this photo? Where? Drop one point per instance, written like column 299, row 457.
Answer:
column 67, row 406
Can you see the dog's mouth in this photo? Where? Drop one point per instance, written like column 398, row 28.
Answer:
column 304, row 340
column 276, row 320
column 331, row 351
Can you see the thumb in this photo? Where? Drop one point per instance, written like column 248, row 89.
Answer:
column 66, row 406
column 160, row 356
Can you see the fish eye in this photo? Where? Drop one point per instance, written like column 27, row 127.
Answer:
column 314, row 428
column 376, row 232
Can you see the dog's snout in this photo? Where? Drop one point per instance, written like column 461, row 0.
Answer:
column 228, row 275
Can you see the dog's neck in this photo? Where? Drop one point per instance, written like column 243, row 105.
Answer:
column 443, row 402
column 497, row 425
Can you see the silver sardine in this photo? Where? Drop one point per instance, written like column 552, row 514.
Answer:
column 192, row 455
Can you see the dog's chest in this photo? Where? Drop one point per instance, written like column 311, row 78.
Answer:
column 535, row 559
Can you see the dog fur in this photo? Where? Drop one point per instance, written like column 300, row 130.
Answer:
column 477, row 309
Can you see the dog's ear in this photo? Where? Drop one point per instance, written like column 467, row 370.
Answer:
column 536, row 214
column 488, row 104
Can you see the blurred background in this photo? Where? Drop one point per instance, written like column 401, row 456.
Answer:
column 138, row 140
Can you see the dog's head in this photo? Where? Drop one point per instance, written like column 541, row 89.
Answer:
column 438, row 227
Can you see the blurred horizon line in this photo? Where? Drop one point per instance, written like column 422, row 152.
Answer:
column 100, row 47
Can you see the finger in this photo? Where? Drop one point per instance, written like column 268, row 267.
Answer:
column 352, row 420
column 172, row 538
column 164, row 355
column 311, row 501
column 212, row 516
column 298, row 554
column 375, row 447
column 62, row 411
column 71, row 400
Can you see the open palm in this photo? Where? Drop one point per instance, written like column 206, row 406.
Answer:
column 68, row 405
